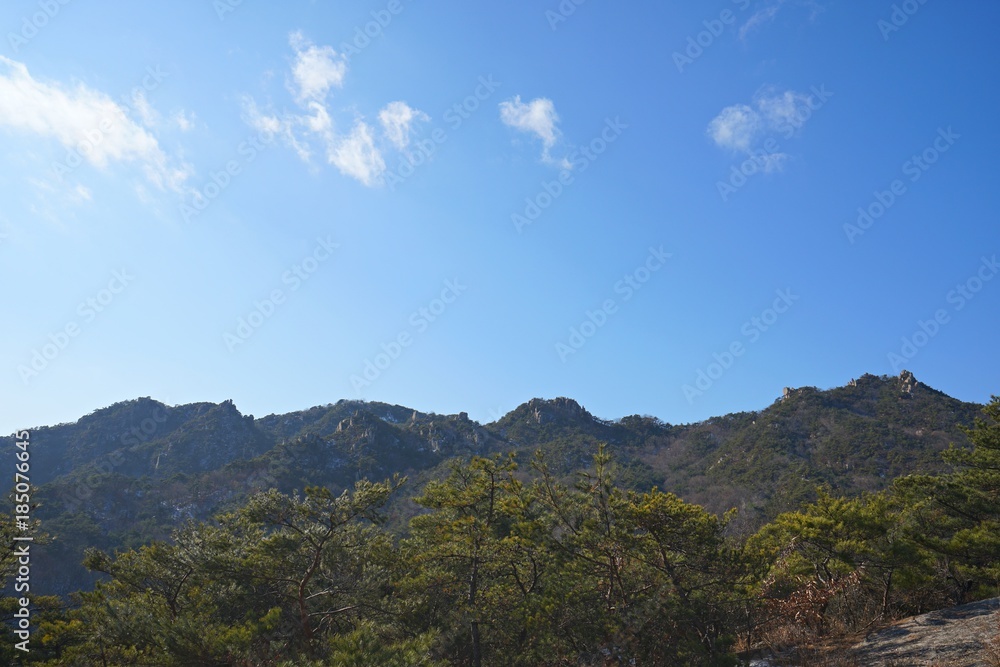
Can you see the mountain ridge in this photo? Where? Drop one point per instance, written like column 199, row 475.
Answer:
column 130, row 472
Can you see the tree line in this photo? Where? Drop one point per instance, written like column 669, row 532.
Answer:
column 504, row 566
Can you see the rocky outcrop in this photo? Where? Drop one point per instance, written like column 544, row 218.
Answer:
column 964, row 636
column 543, row 411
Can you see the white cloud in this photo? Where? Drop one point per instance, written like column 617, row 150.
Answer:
column 271, row 127
column 752, row 128
column 146, row 113
column 84, row 120
column 784, row 109
column 766, row 14
column 735, row 127
column 319, row 122
column 183, row 120
column 759, row 18
column 771, row 161
column 359, row 153
column 357, row 156
column 316, row 69
column 741, row 127
column 263, row 123
column 396, row 119
column 537, row 117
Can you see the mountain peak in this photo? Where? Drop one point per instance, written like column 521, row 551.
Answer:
column 545, row 410
column 542, row 420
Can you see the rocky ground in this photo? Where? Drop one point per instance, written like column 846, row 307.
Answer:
column 962, row 636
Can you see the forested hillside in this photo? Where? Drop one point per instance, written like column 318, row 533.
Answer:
column 124, row 475
column 364, row 533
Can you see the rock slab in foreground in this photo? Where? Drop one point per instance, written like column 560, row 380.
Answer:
column 955, row 637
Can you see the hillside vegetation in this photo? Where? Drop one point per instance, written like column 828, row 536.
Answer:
column 364, row 533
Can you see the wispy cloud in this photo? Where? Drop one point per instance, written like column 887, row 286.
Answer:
column 269, row 124
column 770, row 10
column 82, row 193
column 397, row 119
column 782, row 110
column 183, row 120
column 537, row 117
column 316, row 69
column 86, row 121
column 144, row 110
column 735, row 127
column 262, row 122
column 358, row 152
column 357, row 156
column 760, row 18
column 742, row 128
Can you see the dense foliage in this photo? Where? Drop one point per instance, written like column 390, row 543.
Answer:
column 508, row 565
column 135, row 471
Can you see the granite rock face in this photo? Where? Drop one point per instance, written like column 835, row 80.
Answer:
column 964, row 636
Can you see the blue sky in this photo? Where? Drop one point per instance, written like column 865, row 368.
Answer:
column 673, row 209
